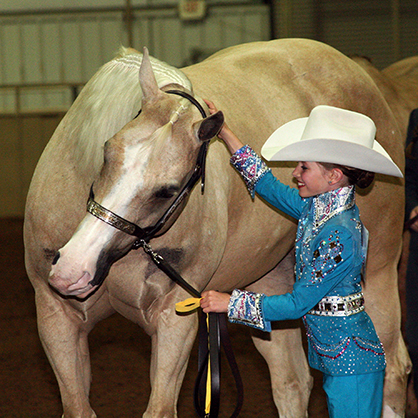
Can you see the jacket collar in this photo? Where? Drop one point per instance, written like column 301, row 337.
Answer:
column 327, row 205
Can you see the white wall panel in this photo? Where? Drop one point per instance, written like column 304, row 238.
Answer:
column 7, row 98
column 52, row 52
column 179, row 43
column 112, row 36
column 70, row 47
column 32, row 53
column 12, row 54
column 167, row 33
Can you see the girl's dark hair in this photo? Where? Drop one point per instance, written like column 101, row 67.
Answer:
column 355, row 176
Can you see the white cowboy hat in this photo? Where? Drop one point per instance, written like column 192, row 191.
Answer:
column 331, row 135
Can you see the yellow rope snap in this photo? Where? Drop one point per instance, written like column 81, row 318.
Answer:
column 188, row 305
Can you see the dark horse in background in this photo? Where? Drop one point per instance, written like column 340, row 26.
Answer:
column 82, row 269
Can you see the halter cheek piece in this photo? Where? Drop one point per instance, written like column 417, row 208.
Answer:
column 145, row 234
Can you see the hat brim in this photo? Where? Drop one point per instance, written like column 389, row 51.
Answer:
column 285, row 145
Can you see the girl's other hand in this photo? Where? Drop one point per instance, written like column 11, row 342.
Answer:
column 213, row 301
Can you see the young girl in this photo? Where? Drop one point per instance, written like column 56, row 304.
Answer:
column 335, row 150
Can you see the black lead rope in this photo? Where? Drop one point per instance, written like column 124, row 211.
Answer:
column 213, row 335
column 217, row 335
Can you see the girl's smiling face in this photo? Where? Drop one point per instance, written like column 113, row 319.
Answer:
column 313, row 179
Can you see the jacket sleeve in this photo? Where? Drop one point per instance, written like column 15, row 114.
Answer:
column 259, row 179
column 245, row 308
column 332, row 261
column 279, row 195
column 251, row 167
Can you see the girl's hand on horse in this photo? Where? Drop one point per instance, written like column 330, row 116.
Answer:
column 213, row 301
column 231, row 140
column 211, row 106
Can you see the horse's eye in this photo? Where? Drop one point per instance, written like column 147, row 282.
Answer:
column 166, row 192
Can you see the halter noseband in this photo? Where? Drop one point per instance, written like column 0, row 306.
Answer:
column 145, row 234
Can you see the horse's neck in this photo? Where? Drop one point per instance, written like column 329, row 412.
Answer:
column 166, row 75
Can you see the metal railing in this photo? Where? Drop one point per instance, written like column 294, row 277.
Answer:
column 37, row 98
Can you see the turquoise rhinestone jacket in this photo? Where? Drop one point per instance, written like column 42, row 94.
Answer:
column 330, row 248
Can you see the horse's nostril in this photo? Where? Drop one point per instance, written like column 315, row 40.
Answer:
column 56, row 258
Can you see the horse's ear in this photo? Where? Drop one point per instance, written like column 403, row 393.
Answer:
column 209, row 127
column 147, row 79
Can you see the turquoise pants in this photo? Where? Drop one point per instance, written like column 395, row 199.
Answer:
column 355, row 396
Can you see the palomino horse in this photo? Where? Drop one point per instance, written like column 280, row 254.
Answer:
column 221, row 239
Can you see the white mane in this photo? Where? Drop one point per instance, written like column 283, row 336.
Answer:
column 110, row 100
column 165, row 74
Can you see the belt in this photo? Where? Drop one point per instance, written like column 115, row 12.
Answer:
column 339, row 305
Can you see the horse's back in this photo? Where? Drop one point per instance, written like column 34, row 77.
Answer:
column 265, row 84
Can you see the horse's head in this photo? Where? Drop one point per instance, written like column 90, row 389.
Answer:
column 146, row 166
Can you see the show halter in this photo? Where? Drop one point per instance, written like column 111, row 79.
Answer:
column 213, row 330
column 145, row 234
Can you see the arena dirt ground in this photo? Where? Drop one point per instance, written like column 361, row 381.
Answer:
column 120, row 354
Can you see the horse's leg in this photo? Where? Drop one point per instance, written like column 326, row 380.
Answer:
column 396, row 379
column 283, row 349
column 63, row 334
column 290, row 379
column 172, row 342
column 386, row 316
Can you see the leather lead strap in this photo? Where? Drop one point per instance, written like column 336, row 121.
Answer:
column 229, row 353
column 212, row 336
column 218, row 335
